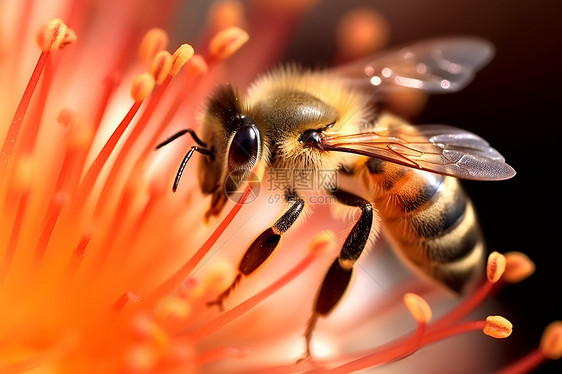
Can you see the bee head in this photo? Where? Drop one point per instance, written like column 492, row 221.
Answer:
column 236, row 142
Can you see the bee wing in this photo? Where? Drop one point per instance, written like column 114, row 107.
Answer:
column 436, row 66
column 437, row 148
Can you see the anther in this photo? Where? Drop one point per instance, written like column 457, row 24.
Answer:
column 77, row 136
column 126, row 298
column 67, row 118
column 518, row 267
column 322, row 243
column 197, row 65
column 361, row 31
column 227, row 41
column 153, row 41
column 141, row 86
column 497, row 327
column 551, row 341
column 180, row 57
column 226, row 13
column 160, row 66
column 495, row 267
column 55, row 35
column 417, row 307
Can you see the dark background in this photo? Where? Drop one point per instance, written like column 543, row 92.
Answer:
column 514, row 103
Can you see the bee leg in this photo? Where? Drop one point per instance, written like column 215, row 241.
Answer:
column 264, row 245
column 338, row 276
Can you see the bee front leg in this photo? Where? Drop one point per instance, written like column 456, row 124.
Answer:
column 338, row 276
column 264, row 245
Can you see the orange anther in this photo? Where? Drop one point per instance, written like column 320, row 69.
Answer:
column 180, row 57
column 153, row 42
column 497, row 327
column 417, row 307
column 551, row 341
column 141, row 87
column 518, row 267
column 227, row 41
column 160, row 66
column 495, row 267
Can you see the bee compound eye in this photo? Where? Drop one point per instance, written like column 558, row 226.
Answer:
column 311, row 138
column 244, row 148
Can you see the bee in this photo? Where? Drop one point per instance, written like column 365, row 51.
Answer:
column 325, row 120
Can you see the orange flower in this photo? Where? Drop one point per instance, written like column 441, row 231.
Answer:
column 103, row 269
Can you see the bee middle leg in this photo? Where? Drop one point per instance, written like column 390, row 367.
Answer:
column 338, row 276
column 264, row 245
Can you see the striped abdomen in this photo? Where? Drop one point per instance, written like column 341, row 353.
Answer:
column 430, row 220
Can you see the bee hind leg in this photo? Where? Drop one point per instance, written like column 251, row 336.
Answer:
column 264, row 245
column 339, row 275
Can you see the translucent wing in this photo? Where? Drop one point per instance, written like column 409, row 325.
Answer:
column 437, row 66
column 437, row 148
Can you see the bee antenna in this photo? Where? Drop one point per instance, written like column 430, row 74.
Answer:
column 179, row 134
column 186, row 158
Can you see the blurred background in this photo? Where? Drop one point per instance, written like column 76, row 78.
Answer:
column 514, row 103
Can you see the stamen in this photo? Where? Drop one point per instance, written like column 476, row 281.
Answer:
column 226, row 13
column 6, row 262
column 160, row 66
column 52, row 36
column 140, row 88
column 175, row 281
column 518, row 267
column 142, row 85
column 154, row 40
column 417, row 307
column 183, row 54
column 497, row 327
column 361, row 32
column 55, row 35
column 226, row 42
column 550, row 348
column 495, row 267
column 250, row 303
column 197, row 66
column 110, row 83
column 494, row 271
column 551, row 341
column 127, row 297
column 219, row 276
column 322, row 243
column 31, row 131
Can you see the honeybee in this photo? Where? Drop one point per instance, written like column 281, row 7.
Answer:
column 325, row 120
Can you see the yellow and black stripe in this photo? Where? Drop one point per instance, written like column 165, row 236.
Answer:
column 430, row 220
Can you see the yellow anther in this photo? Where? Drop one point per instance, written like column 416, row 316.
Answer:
column 497, row 327
column 160, row 66
column 417, row 307
column 55, row 35
column 180, row 57
column 551, row 341
column 495, row 267
column 322, row 243
column 141, row 86
column 518, row 267
column 227, row 41
column 153, row 42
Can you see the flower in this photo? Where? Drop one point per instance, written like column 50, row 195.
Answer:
column 103, row 269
